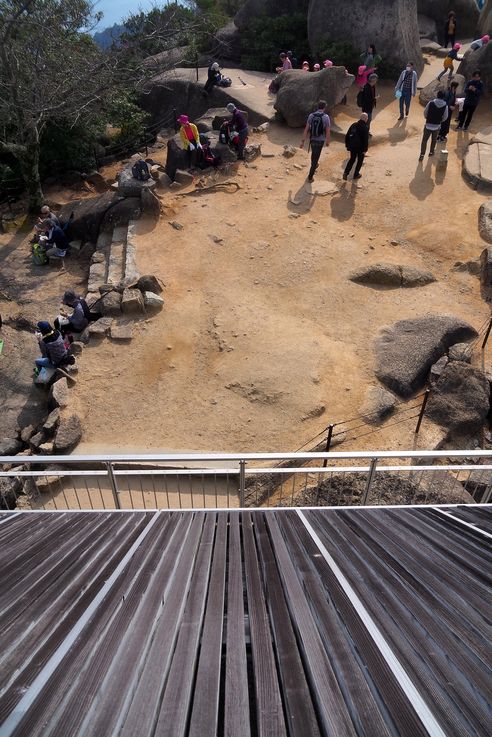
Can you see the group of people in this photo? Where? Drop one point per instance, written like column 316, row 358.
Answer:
column 235, row 133
column 55, row 340
column 50, row 237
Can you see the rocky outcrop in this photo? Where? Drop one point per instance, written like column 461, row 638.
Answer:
column 477, row 162
column 485, row 221
column 391, row 276
column 378, row 405
column 460, row 399
column 391, row 24
column 429, row 92
column 485, row 19
column 128, row 186
column 427, row 27
column 88, row 215
column 251, row 9
column 227, row 43
column 406, row 351
column 299, row 92
column 68, row 434
column 466, row 14
column 486, row 272
column 481, row 59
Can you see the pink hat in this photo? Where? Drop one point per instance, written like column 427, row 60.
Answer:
column 485, row 39
column 457, row 47
column 316, row 67
column 305, row 63
column 183, row 119
column 327, row 63
column 361, row 70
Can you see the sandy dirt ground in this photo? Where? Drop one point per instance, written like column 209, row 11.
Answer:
column 263, row 340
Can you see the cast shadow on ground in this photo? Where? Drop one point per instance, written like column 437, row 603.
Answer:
column 343, row 204
column 422, row 184
column 398, row 132
column 302, row 201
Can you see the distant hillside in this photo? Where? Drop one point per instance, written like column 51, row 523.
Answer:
column 105, row 38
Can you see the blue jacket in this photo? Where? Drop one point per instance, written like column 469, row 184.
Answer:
column 58, row 238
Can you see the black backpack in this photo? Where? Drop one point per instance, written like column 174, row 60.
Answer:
column 317, row 127
column 140, row 170
column 360, row 98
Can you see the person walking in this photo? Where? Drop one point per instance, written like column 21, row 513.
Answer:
column 435, row 113
column 407, row 86
column 240, row 125
column 473, row 92
column 448, row 62
column 369, row 97
column 450, row 97
column 450, row 29
column 318, row 129
column 357, row 142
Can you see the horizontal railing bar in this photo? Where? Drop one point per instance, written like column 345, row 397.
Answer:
column 220, row 457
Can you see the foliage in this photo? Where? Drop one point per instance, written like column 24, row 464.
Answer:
column 341, row 53
column 158, row 30
column 266, row 37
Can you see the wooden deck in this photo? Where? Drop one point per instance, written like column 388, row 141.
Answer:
column 291, row 623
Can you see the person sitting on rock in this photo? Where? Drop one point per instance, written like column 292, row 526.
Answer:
column 285, row 62
column 190, row 138
column 56, row 241
column 448, row 62
column 54, row 352
column 213, row 77
column 46, row 214
column 479, row 43
column 78, row 320
column 240, row 125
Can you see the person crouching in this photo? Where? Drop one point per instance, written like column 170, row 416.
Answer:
column 54, row 352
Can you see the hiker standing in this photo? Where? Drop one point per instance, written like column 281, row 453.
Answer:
column 370, row 58
column 190, row 138
column 473, row 92
column 450, row 30
column 368, row 97
column 357, row 142
column 435, row 113
column 240, row 124
column 318, row 128
column 450, row 97
column 407, row 85
column 449, row 61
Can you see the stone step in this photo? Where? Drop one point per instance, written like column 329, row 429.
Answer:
column 116, row 264
column 104, row 240
column 131, row 273
column 119, row 234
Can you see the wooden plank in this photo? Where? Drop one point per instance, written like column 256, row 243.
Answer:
column 269, row 711
column 407, row 624
column 146, row 697
column 236, row 698
column 205, row 713
column 176, row 703
column 330, row 702
column 299, row 707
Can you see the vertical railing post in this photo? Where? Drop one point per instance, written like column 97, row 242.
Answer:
column 372, row 471
column 487, row 333
column 242, row 482
column 422, row 411
column 328, row 443
column 114, row 485
column 175, row 118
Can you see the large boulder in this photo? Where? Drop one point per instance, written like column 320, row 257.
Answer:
column 68, row 435
column 477, row 161
column 486, row 272
column 485, row 19
column 406, row 351
column 128, row 186
column 481, row 59
column 391, row 24
column 460, row 399
column 212, row 119
column 299, row 92
column 378, row 405
column 251, row 9
column 88, row 215
column 427, row 27
column 485, row 221
column 177, row 157
column 429, row 92
column 466, row 14
column 227, row 43
column 129, row 208
column 391, row 276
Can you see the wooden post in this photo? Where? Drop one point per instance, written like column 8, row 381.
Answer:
column 422, row 410
column 328, row 443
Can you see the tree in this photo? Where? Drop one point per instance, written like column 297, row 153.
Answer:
column 51, row 70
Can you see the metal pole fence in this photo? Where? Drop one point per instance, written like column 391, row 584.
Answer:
column 422, row 411
column 328, row 443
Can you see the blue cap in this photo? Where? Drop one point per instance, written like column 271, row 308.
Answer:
column 44, row 327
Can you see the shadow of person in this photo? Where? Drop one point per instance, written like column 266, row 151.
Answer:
column 441, row 171
column 398, row 132
column 462, row 141
column 303, row 200
column 343, row 204
column 422, row 184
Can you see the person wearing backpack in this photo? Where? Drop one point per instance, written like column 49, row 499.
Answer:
column 366, row 98
column 357, row 142
column 407, row 87
column 435, row 114
column 318, row 128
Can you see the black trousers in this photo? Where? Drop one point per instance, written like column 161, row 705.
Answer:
column 466, row 115
column 355, row 156
column 449, row 39
column 316, row 149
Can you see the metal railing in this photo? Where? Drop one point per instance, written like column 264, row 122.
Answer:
column 228, row 480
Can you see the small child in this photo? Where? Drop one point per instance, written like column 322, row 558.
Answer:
column 448, row 61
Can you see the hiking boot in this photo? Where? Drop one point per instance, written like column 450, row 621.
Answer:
column 357, row 176
column 345, row 176
column 401, row 117
column 421, row 157
column 310, row 179
column 431, row 153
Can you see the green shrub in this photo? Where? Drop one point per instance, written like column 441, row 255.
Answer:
column 266, row 37
column 341, row 53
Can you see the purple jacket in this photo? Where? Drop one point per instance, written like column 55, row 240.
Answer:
column 239, row 121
